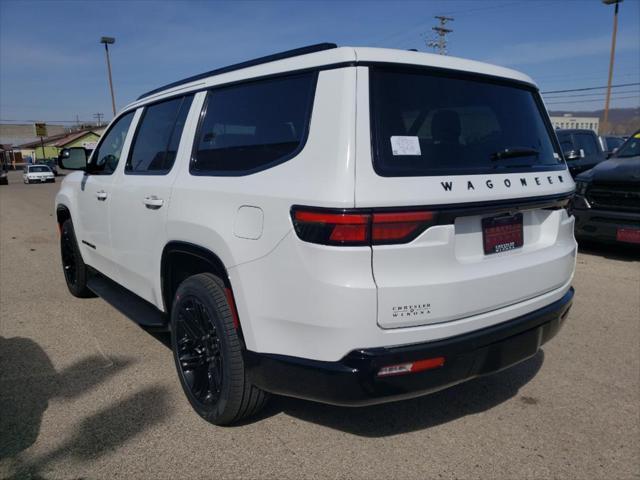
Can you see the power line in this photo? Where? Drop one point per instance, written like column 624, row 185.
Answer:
column 591, row 88
column 491, row 7
column 552, row 77
column 599, row 94
column 590, row 101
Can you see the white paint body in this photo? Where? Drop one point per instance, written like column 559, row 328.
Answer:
column 314, row 301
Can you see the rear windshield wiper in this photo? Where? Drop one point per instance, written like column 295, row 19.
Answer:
column 512, row 152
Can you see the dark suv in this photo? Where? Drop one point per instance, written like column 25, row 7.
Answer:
column 581, row 149
column 607, row 201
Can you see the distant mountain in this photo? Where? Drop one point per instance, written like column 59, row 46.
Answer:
column 623, row 121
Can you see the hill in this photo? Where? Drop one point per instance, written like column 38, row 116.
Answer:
column 623, row 121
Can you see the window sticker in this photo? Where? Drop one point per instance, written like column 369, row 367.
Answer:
column 556, row 156
column 405, row 145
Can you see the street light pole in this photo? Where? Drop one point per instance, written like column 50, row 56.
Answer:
column 109, row 41
column 605, row 123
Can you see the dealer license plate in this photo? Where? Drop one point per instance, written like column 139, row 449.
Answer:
column 628, row 235
column 502, row 233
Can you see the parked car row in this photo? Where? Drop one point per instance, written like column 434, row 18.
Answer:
column 607, row 200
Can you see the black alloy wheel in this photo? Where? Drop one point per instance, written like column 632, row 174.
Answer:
column 67, row 251
column 74, row 268
column 207, row 349
column 199, row 353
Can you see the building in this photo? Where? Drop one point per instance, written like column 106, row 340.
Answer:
column 8, row 157
column 53, row 144
column 569, row 121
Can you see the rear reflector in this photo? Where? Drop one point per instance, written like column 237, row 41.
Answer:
column 411, row 367
column 359, row 228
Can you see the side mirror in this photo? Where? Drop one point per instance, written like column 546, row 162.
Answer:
column 74, row 158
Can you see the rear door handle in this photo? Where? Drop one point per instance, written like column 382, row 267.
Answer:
column 152, row 202
column 101, row 195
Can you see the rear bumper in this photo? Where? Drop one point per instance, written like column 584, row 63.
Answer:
column 602, row 225
column 353, row 380
column 41, row 180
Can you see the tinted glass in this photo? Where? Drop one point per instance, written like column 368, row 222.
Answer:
column 430, row 124
column 39, row 169
column 587, row 143
column 250, row 127
column 158, row 136
column 613, row 142
column 566, row 142
column 631, row 148
column 107, row 155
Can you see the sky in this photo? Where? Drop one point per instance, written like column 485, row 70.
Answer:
column 52, row 66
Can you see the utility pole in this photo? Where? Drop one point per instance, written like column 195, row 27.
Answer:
column 98, row 116
column 440, row 43
column 109, row 41
column 605, row 123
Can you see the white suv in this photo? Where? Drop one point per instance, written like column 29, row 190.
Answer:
column 347, row 225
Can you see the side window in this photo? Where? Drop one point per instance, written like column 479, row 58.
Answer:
column 587, row 143
column 253, row 126
column 158, row 136
column 105, row 158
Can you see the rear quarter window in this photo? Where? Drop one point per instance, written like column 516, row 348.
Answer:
column 253, row 126
column 434, row 123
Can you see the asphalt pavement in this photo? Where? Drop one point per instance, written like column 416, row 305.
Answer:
column 86, row 393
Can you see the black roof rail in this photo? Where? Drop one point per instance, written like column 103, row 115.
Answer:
column 318, row 47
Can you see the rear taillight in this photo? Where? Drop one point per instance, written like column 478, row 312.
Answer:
column 359, row 228
column 399, row 227
column 331, row 227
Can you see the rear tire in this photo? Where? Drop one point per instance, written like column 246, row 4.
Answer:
column 208, row 353
column 74, row 268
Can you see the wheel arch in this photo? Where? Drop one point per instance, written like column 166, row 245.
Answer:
column 63, row 213
column 183, row 259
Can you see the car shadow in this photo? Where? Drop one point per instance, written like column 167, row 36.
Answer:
column 28, row 381
column 105, row 431
column 467, row 398
column 610, row 251
column 421, row 413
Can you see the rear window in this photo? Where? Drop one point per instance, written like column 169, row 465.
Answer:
column 587, row 142
column 429, row 123
column 253, row 126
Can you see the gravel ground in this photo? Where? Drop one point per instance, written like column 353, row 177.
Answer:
column 85, row 393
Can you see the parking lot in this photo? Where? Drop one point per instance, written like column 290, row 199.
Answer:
column 86, row 393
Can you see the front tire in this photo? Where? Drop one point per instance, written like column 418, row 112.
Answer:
column 208, row 354
column 75, row 270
